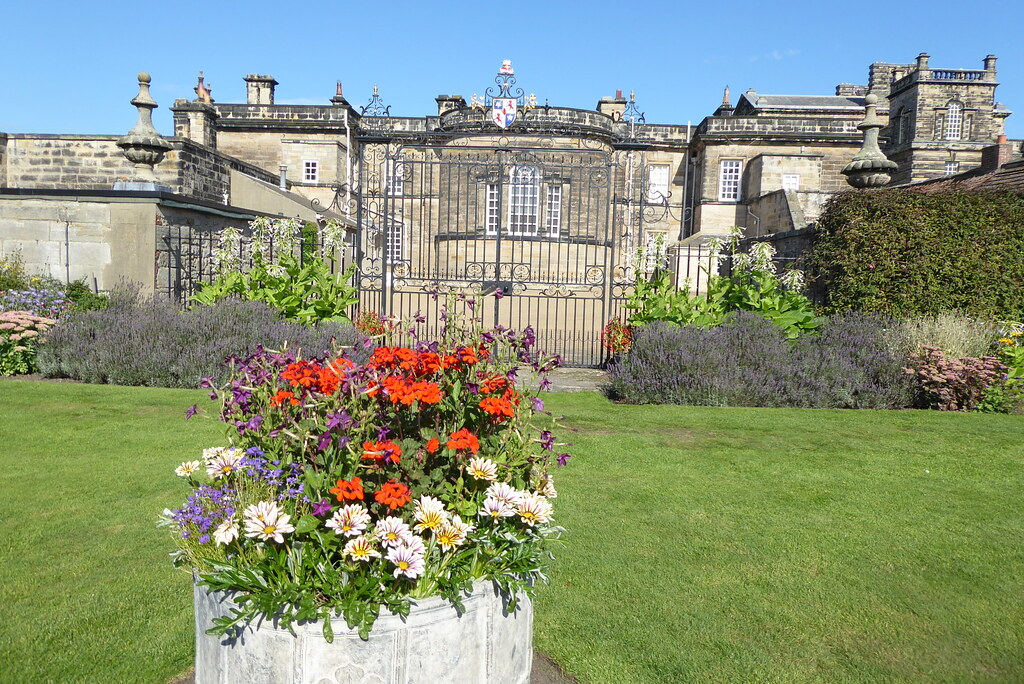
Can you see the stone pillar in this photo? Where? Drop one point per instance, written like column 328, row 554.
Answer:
column 990, row 67
column 143, row 146
column 870, row 168
column 259, row 89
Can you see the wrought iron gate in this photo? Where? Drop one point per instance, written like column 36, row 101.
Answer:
column 482, row 213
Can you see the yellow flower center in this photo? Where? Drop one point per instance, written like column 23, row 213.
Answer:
column 403, row 565
column 269, row 529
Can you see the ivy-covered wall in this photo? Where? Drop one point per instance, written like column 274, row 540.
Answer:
column 903, row 252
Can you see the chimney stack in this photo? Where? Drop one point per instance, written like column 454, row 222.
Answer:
column 259, row 89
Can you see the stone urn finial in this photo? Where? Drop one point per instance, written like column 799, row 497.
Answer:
column 870, row 168
column 144, row 146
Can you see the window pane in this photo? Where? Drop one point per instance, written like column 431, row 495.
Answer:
column 657, row 183
column 790, row 181
column 395, row 241
column 492, row 209
column 310, row 171
column 729, row 180
column 395, row 181
column 954, row 119
column 524, row 197
column 553, row 217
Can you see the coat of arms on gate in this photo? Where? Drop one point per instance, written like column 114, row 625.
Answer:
column 504, row 105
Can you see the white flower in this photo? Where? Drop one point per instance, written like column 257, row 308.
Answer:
column 265, row 520
column 547, row 487
column 452, row 533
column 406, row 561
column 350, row 520
column 495, row 508
column 533, row 509
column 187, row 468
column 222, row 461
column 226, row 532
column 429, row 513
column 393, row 531
column 482, row 469
column 416, row 544
column 505, row 493
column 361, row 549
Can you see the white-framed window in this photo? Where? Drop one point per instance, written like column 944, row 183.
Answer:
column 952, row 167
column 655, row 251
column 729, row 171
column 954, row 120
column 523, row 200
column 657, row 183
column 310, row 171
column 493, row 207
column 394, row 244
column 791, row 181
column 395, row 177
column 553, row 213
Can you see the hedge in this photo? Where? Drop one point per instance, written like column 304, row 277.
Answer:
column 903, row 252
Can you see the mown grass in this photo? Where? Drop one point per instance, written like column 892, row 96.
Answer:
column 703, row 544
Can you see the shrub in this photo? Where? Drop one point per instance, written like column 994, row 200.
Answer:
column 749, row 362
column 956, row 334
column 950, row 384
column 148, row 341
column 83, row 298
column 13, row 275
column 21, row 333
column 903, row 252
column 753, row 286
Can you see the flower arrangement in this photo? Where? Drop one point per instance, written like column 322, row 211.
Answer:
column 21, row 333
column 36, row 300
column 353, row 486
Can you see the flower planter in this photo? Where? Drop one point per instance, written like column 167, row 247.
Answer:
column 435, row 643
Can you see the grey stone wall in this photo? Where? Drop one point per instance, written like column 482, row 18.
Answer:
column 3, row 160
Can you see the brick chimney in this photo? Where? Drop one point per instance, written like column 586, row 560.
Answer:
column 259, row 89
column 994, row 156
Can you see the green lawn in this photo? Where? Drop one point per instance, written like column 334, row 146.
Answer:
column 704, row 544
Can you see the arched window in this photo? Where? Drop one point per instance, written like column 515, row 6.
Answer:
column 954, row 120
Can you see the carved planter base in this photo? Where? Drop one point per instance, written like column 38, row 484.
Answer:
column 435, row 644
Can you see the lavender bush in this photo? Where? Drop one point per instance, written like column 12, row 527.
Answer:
column 749, row 362
column 141, row 340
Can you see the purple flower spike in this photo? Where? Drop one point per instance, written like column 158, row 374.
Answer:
column 547, row 441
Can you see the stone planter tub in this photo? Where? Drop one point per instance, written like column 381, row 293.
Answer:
column 435, row 643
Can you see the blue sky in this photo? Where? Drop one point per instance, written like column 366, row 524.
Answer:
column 70, row 67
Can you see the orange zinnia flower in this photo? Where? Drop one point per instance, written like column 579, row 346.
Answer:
column 348, row 490
column 464, row 440
column 393, row 495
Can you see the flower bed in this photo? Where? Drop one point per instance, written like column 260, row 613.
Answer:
column 350, row 488
column 20, row 336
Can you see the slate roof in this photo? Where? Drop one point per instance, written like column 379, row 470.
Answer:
column 830, row 102
column 1007, row 178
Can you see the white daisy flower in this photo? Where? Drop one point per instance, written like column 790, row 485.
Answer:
column 350, row 520
column 547, row 487
column 416, row 545
column 265, row 521
column 505, row 493
column 452, row 533
column 406, row 561
column 187, row 468
column 223, row 461
column 533, row 509
column 429, row 513
column 482, row 469
column 226, row 532
column 393, row 531
column 361, row 549
column 495, row 508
